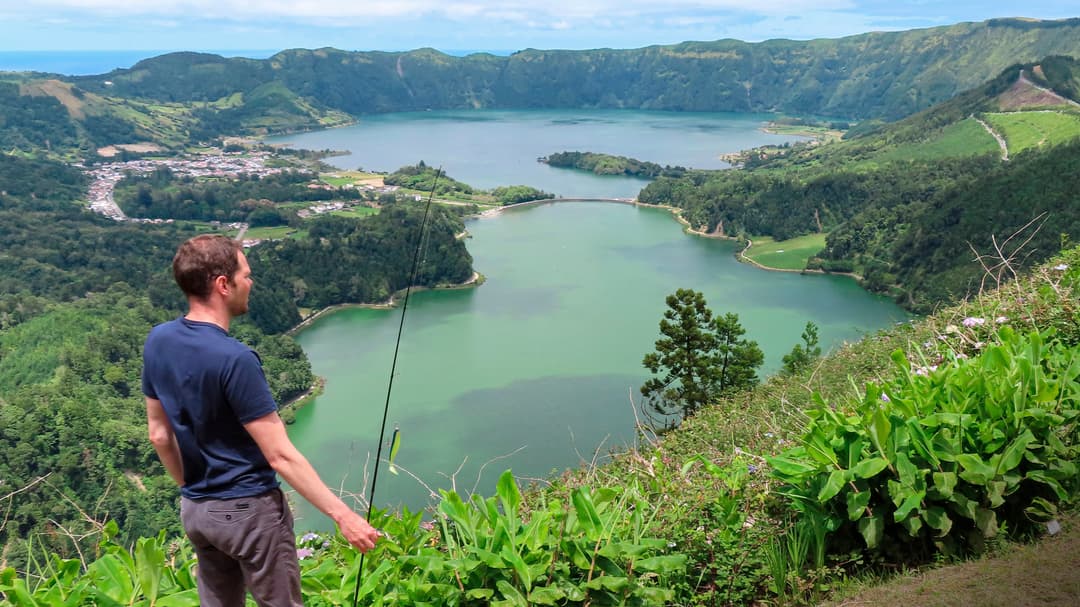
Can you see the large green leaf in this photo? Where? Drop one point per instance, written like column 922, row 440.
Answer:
column 872, row 528
column 509, row 495
column 664, row 564
column 910, row 503
column 480, row 593
column 869, row 468
column 511, row 594
column 185, row 598
column 588, row 518
column 965, row 507
column 149, row 563
column 520, row 568
column 975, row 470
column 937, row 518
column 613, row 583
column 833, row 485
column 856, row 503
column 16, row 592
column 546, row 596
column 879, row 429
column 652, row 595
column 986, row 521
column 944, row 483
column 1014, row 453
column 906, row 470
column 913, row 524
column 1041, row 476
column 790, row 468
column 112, row 579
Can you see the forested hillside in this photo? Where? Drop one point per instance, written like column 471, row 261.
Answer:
column 188, row 97
column 907, row 205
column 882, row 74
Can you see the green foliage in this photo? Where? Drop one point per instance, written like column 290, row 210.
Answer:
column 353, row 261
column 803, row 355
column 607, row 164
column 30, row 123
column 1059, row 73
column 933, row 257
column 165, row 195
column 424, row 178
column 514, row 194
column 589, row 550
column 701, row 357
column 944, row 454
column 37, row 184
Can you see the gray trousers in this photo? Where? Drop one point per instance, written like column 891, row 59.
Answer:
column 244, row 544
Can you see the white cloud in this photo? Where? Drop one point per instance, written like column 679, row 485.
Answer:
column 569, row 10
column 466, row 24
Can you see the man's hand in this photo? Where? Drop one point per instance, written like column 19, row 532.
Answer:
column 268, row 432
column 357, row 531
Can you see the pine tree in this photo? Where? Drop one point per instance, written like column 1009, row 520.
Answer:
column 700, row 357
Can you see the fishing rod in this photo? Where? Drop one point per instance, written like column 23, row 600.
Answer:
column 393, row 367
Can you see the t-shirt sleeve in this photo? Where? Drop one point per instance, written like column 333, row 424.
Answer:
column 246, row 388
column 147, row 387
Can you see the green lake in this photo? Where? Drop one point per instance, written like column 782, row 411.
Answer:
column 533, row 370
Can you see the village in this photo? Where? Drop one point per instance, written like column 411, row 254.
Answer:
column 104, row 178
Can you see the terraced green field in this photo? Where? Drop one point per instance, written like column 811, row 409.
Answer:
column 964, row 138
column 789, row 254
column 1023, row 130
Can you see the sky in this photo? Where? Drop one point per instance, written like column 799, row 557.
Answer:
column 456, row 25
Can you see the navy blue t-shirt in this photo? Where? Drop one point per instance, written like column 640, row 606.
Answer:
column 210, row 385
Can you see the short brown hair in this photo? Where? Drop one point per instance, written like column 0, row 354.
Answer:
column 202, row 258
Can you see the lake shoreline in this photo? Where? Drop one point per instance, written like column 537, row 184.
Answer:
column 475, row 280
column 676, row 212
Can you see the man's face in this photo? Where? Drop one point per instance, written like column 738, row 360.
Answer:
column 240, row 284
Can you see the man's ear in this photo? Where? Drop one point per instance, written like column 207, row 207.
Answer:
column 221, row 284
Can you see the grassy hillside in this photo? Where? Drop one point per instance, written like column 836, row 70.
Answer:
column 706, row 514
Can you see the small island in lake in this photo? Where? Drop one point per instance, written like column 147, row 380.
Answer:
column 607, row 164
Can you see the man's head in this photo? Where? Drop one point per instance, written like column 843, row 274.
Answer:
column 210, row 266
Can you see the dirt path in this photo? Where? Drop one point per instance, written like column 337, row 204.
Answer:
column 995, row 135
column 1039, row 574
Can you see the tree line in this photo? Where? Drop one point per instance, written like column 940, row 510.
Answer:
column 163, row 194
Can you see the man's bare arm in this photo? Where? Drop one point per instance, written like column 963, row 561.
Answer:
column 163, row 439
column 269, row 433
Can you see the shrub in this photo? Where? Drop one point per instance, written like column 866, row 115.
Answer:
column 945, row 456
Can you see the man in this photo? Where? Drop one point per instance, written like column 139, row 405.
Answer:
column 215, row 427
